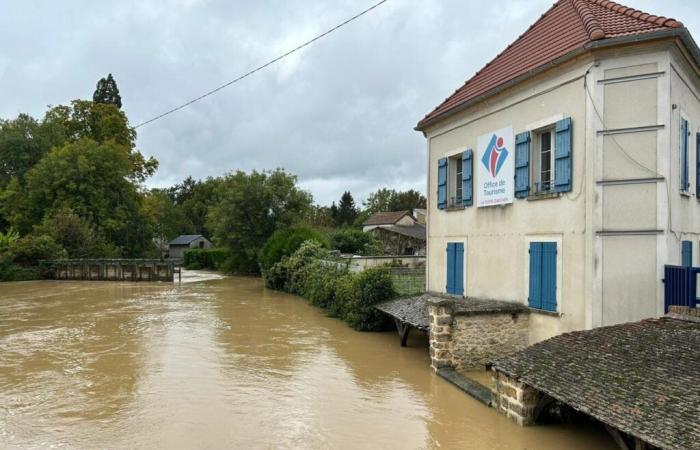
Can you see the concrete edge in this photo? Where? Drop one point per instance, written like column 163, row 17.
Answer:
column 471, row 387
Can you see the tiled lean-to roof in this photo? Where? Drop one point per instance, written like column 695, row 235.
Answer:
column 386, row 218
column 642, row 378
column 567, row 26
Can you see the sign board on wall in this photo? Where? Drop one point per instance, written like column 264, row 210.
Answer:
column 496, row 156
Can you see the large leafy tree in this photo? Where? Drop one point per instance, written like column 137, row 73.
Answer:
column 347, row 210
column 252, row 206
column 23, row 142
column 166, row 219
column 107, row 92
column 101, row 123
column 92, row 179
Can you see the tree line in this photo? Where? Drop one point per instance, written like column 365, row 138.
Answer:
column 72, row 185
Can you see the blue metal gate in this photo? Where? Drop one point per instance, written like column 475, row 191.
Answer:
column 680, row 286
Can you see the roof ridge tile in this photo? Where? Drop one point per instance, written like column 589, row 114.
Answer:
column 590, row 23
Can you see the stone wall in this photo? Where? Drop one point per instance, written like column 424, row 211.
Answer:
column 467, row 334
column 514, row 398
column 479, row 339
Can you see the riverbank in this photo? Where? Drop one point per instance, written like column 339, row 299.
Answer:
column 226, row 363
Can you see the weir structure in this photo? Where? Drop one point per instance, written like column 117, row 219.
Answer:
column 110, row 269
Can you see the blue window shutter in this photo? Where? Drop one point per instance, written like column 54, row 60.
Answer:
column 459, row 269
column 697, row 166
column 522, row 164
column 549, row 276
column 543, row 276
column 684, row 155
column 467, row 178
column 687, row 253
column 534, row 298
column 442, row 183
column 562, row 156
column 450, row 266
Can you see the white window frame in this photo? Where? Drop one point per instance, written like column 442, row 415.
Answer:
column 536, row 158
column 454, row 185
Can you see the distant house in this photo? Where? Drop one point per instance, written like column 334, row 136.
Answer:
column 178, row 246
column 399, row 231
column 421, row 214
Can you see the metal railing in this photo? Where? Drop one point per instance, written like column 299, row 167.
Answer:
column 408, row 281
column 680, row 286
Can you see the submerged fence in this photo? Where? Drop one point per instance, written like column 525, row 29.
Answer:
column 110, row 269
column 680, row 286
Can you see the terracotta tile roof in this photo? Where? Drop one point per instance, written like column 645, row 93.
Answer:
column 641, row 378
column 386, row 218
column 567, row 26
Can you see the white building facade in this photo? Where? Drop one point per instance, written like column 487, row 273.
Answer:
column 570, row 186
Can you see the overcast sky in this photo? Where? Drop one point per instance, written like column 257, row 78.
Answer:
column 339, row 114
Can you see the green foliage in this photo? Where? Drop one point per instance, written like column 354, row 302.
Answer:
column 252, row 206
column 107, row 92
column 353, row 240
column 165, row 219
column 369, row 288
column 7, row 239
column 347, row 210
column 76, row 235
column 351, row 297
column 205, row 258
column 23, row 142
column 30, row 249
column 284, row 242
column 91, row 180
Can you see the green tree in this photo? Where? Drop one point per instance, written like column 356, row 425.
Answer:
column 252, row 206
column 107, row 92
column 195, row 198
column 77, row 236
column 347, row 211
column 102, row 123
column 23, row 142
column 92, row 180
column 407, row 200
column 166, row 219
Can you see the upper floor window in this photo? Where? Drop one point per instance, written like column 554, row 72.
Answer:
column 544, row 157
column 684, row 157
column 456, row 199
column 454, row 180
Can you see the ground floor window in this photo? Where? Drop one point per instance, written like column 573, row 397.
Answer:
column 687, row 253
column 455, row 268
column 543, row 276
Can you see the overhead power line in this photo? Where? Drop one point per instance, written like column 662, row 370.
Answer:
column 261, row 67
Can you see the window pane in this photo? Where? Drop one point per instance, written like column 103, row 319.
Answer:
column 545, row 160
column 458, row 181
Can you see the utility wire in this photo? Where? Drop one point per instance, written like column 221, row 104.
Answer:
column 261, row 67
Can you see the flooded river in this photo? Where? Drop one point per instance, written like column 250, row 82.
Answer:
column 225, row 363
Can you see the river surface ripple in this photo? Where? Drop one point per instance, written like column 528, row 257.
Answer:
column 226, row 363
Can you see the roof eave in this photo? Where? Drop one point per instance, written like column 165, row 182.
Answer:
column 681, row 33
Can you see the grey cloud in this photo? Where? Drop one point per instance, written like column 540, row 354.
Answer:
column 340, row 114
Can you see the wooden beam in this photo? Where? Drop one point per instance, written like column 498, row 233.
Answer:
column 403, row 329
column 617, row 437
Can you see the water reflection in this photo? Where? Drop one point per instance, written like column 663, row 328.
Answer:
column 225, row 363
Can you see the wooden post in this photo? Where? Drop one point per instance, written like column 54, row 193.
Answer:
column 403, row 329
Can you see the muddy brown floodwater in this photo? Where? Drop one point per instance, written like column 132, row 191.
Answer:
column 225, row 363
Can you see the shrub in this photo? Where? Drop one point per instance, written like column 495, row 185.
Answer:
column 352, row 240
column 351, row 297
column 370, row 287
column 205, row 258
column 285, row 242
column 30, row 249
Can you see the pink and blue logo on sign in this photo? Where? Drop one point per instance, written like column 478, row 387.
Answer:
column 495, row 155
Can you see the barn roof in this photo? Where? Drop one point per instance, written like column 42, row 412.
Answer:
column 568, row 26
column 386, row 218
column 185, row 239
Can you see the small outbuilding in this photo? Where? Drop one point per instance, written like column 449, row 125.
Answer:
column 178, row 246
column 399, row 231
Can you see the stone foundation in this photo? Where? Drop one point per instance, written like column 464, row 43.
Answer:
column 514, row 398
column 467, row 334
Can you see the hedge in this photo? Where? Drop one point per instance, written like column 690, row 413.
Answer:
column 285, row 242
column 204, row 258
column 330, row 286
